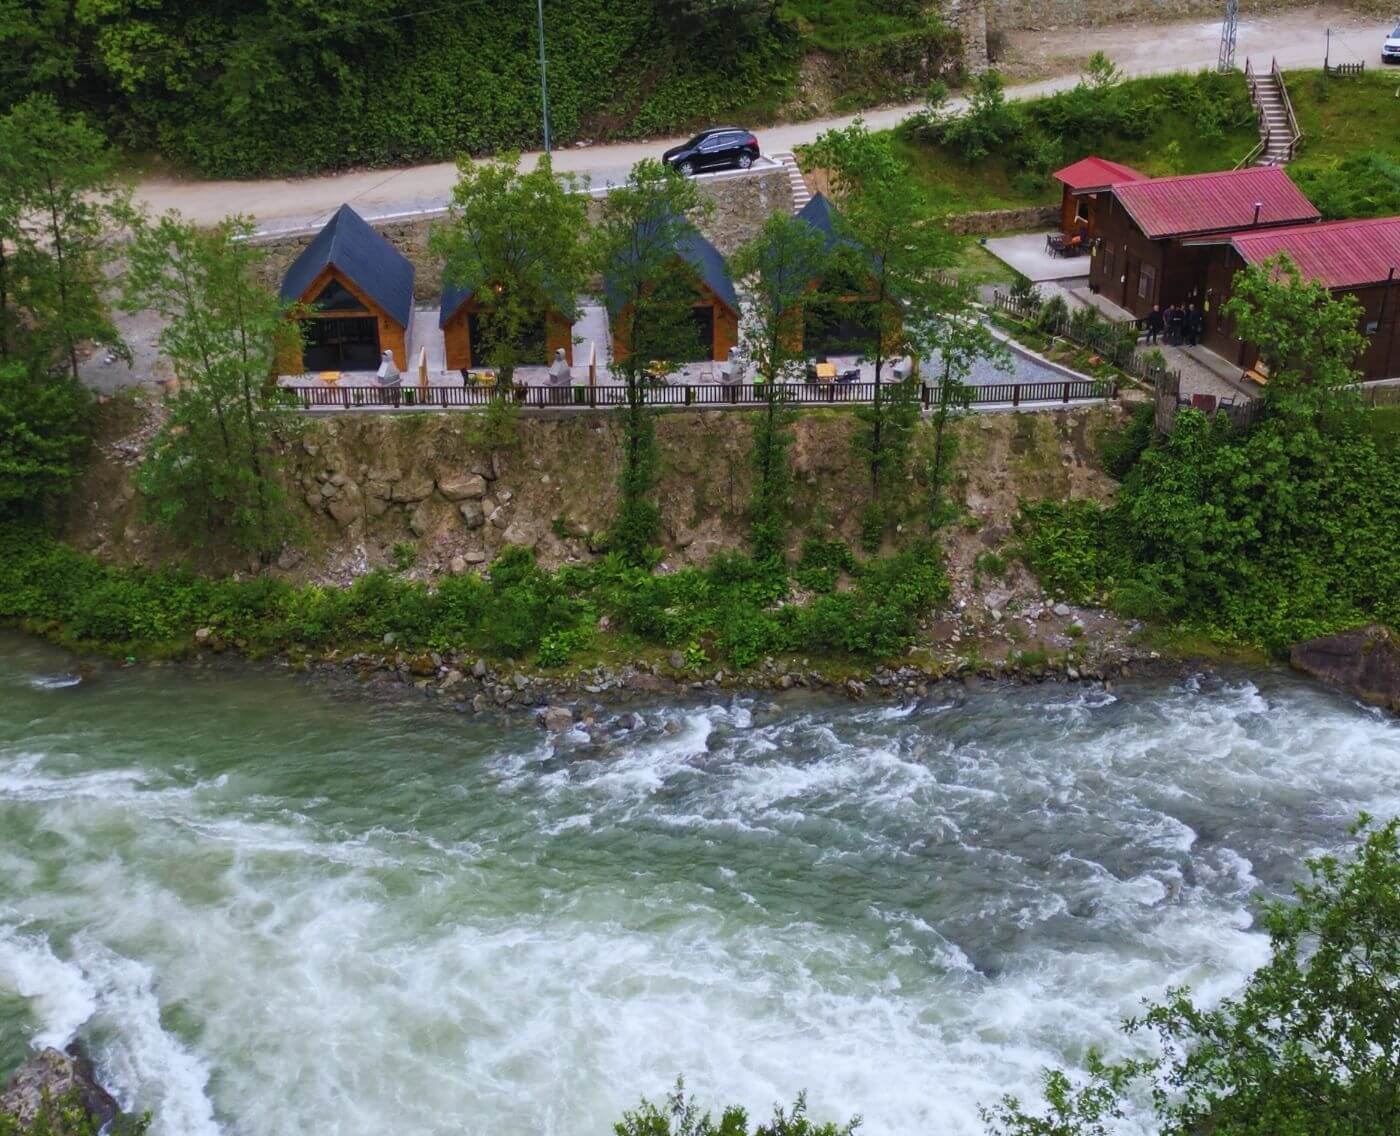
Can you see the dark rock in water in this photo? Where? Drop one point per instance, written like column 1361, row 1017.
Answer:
column 1364, row 661
column 56, row 1075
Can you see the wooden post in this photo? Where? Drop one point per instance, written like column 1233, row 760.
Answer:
column 1016, row 394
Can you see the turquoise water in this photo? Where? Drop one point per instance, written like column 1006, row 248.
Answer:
column 268, row 906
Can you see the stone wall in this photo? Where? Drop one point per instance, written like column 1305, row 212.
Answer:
column 1004, row 220
column 741, row 203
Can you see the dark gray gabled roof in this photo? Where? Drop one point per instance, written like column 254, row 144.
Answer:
column 363, row 256
column 453, row 297
column 822, row 216
column 708, row 262
column 819, row 214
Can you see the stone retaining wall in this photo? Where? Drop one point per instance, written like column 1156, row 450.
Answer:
column 741, row 203
column 1004, row 220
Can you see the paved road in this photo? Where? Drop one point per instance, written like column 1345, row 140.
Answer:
column 1295, row 38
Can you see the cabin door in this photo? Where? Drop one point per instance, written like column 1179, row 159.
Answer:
column 342, row 343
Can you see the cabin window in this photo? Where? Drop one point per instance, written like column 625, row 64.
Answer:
column 1372, row 326
column 335, row 297
column 1147, row 282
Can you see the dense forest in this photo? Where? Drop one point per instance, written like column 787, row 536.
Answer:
column 244, row 87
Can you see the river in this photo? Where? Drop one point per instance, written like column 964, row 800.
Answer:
column 269, row 907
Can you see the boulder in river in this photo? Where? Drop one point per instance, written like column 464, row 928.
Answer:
column 56, row 1075
column 1364, row 661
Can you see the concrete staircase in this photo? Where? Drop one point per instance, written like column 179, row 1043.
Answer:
column 800, row 193
column 1277, row 129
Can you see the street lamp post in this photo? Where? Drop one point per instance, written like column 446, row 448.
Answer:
column 544, row 81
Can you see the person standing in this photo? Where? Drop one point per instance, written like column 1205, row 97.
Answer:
column 1154, row 323
column 1192, row 324
column 1174, row 323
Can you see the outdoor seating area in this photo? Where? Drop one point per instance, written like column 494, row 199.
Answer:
column 1060, row 245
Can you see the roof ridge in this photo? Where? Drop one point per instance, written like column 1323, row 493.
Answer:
column 1203, row 175
column 1318, row 226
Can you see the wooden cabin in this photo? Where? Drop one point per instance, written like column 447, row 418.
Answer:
column 1356, row 258
column 464, row 331
column 1084, row 183
column 715, row 310
column 842, row 323
column 356, row 294
column 1144, row 252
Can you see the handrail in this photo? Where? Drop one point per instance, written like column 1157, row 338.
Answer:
column 1295, row 135
column 709, row 395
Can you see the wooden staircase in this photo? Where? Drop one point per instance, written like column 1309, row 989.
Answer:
column 1278, row 128
column 800, row 193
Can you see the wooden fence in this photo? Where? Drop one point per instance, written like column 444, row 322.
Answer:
column 1113, row 341
column 690, row 394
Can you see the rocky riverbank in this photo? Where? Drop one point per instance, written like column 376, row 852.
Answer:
column 53, row 1080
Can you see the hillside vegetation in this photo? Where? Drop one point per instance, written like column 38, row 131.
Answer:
column 278, row 86
column 1349, row 160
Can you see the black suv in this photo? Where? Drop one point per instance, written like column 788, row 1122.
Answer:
column 719, row 148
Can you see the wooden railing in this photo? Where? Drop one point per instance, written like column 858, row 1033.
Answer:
column 713, row 395
column 1295, row 135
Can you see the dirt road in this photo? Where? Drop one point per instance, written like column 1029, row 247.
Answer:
column 1295, row 38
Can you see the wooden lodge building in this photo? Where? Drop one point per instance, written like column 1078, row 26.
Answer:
column 356, row 292
column 1144, row 251
column 1083, row 185
column 716, row 306
column 1357, row 258
column 463, row 331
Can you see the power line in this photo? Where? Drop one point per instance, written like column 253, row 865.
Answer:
column 1229, row 28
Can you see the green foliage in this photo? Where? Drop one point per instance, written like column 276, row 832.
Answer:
column 43, row 436
column 679, row 1115
column 59, row 205
column 404, row 555
column 785, row 265
column 215, row 471
column 1267, row 537
column 821, row 563
column 517, row 240
column 498, row 426
column 914, row 306
column 733, row 608
column 1311, row 1046
column 649, row 291
column 67, row 1116
column 1359, row 185
column 1308, row 338
column 1121, row 446
column 271, row 87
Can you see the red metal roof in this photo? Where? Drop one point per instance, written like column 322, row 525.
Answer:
column 1209, row 203
column 1339, row 254
column 1096, row 173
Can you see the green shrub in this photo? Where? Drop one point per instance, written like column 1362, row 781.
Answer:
column 1121, row 446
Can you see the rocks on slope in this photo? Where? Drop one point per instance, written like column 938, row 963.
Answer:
column 56, row 1075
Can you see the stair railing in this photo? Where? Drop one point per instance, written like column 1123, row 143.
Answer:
column 1295, row 135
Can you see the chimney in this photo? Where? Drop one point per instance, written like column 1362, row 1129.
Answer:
column 1258, row 208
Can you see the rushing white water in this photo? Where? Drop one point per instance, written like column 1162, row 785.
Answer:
column 269, row 908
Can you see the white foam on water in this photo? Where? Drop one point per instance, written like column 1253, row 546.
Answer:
column 907, row 913
column 60, row 997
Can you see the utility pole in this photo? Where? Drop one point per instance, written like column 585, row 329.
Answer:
column 1228, row 28
column 544, row 81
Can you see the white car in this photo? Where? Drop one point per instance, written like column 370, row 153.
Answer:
column 1390, row 50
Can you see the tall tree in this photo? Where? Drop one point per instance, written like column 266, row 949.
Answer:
column 60, row 211
column 783, row 268
column 215, row 470
column 1308, row 339
column 649, row 290
column 518, row 239
column 891, row 242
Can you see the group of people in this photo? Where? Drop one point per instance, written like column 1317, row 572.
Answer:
column 1177, row 324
